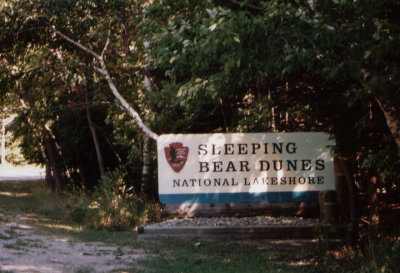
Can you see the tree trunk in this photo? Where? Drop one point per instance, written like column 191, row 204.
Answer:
column 110, row 145
column 353, row 236
column 373, row 203
column 221, row 104
column 3, row 141
column 49, row 178
column 52, row 156
column 273, row 123
column 94, row 135
column 58, row 149
column 146, row 168
column 82, row 175
column 392, row 120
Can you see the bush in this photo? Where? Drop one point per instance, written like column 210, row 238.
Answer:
column 382, row 256
column 113, row 205
column 77, row 205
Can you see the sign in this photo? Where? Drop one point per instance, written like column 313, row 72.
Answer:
column 252, row 167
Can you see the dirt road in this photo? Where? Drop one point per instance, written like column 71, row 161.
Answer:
column 24, row 247
column 8, row 173
column 21, row 250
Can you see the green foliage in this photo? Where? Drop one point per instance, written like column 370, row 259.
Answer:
column 51, row 77
column 215, row 66
column 381, row 256
column 77, row 203
column 378, row 256
column 282, row 66
column 13, row 152
column 113, row 205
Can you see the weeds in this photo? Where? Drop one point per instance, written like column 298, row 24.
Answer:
column 381, row 256
column 4, row 237
column 17, row 245
column 113, row 205
column 84, row 269
column 11, row 232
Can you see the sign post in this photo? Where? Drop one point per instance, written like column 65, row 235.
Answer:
column 244, row 167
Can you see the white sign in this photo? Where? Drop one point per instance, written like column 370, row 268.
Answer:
column 252, row 167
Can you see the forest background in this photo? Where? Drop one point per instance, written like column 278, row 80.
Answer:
column 93, row 84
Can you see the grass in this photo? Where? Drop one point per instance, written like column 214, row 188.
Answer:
column 230, row 256
column 31, row 202
column 29, row 198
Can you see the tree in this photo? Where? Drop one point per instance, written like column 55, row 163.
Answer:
column 214, row 66
column 286, row 66
column 3, row 139
column 73, row 69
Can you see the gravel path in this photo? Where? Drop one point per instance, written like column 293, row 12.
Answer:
column 22, row 250
column 236, row 222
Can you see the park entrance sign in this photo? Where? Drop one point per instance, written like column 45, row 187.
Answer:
column 251, row 167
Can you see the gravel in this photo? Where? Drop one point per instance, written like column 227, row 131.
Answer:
column 236, row 222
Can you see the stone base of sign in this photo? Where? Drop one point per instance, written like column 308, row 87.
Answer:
column 303, row 209
column 271, row 232
column 328, row 207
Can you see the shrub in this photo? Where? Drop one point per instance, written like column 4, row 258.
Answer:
column 77, row 205
column 382, row 256
column 113, row 205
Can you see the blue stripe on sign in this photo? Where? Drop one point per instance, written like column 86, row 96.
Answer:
column 239, row 197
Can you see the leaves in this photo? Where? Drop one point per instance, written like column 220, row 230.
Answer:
column 214, row 66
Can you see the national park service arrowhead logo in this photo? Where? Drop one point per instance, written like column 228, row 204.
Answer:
column 176, row 155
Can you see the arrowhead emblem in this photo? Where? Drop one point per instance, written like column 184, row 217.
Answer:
column 176, row 155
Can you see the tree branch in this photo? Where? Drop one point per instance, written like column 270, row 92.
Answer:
column 107, row 43
column 77, row 44
column 125, row 104
column 103, row 70
column 246, row 5
column 391, row 120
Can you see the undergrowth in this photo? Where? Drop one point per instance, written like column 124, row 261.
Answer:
column 113, row 205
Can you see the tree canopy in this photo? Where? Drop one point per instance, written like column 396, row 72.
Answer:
column 199, row 66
